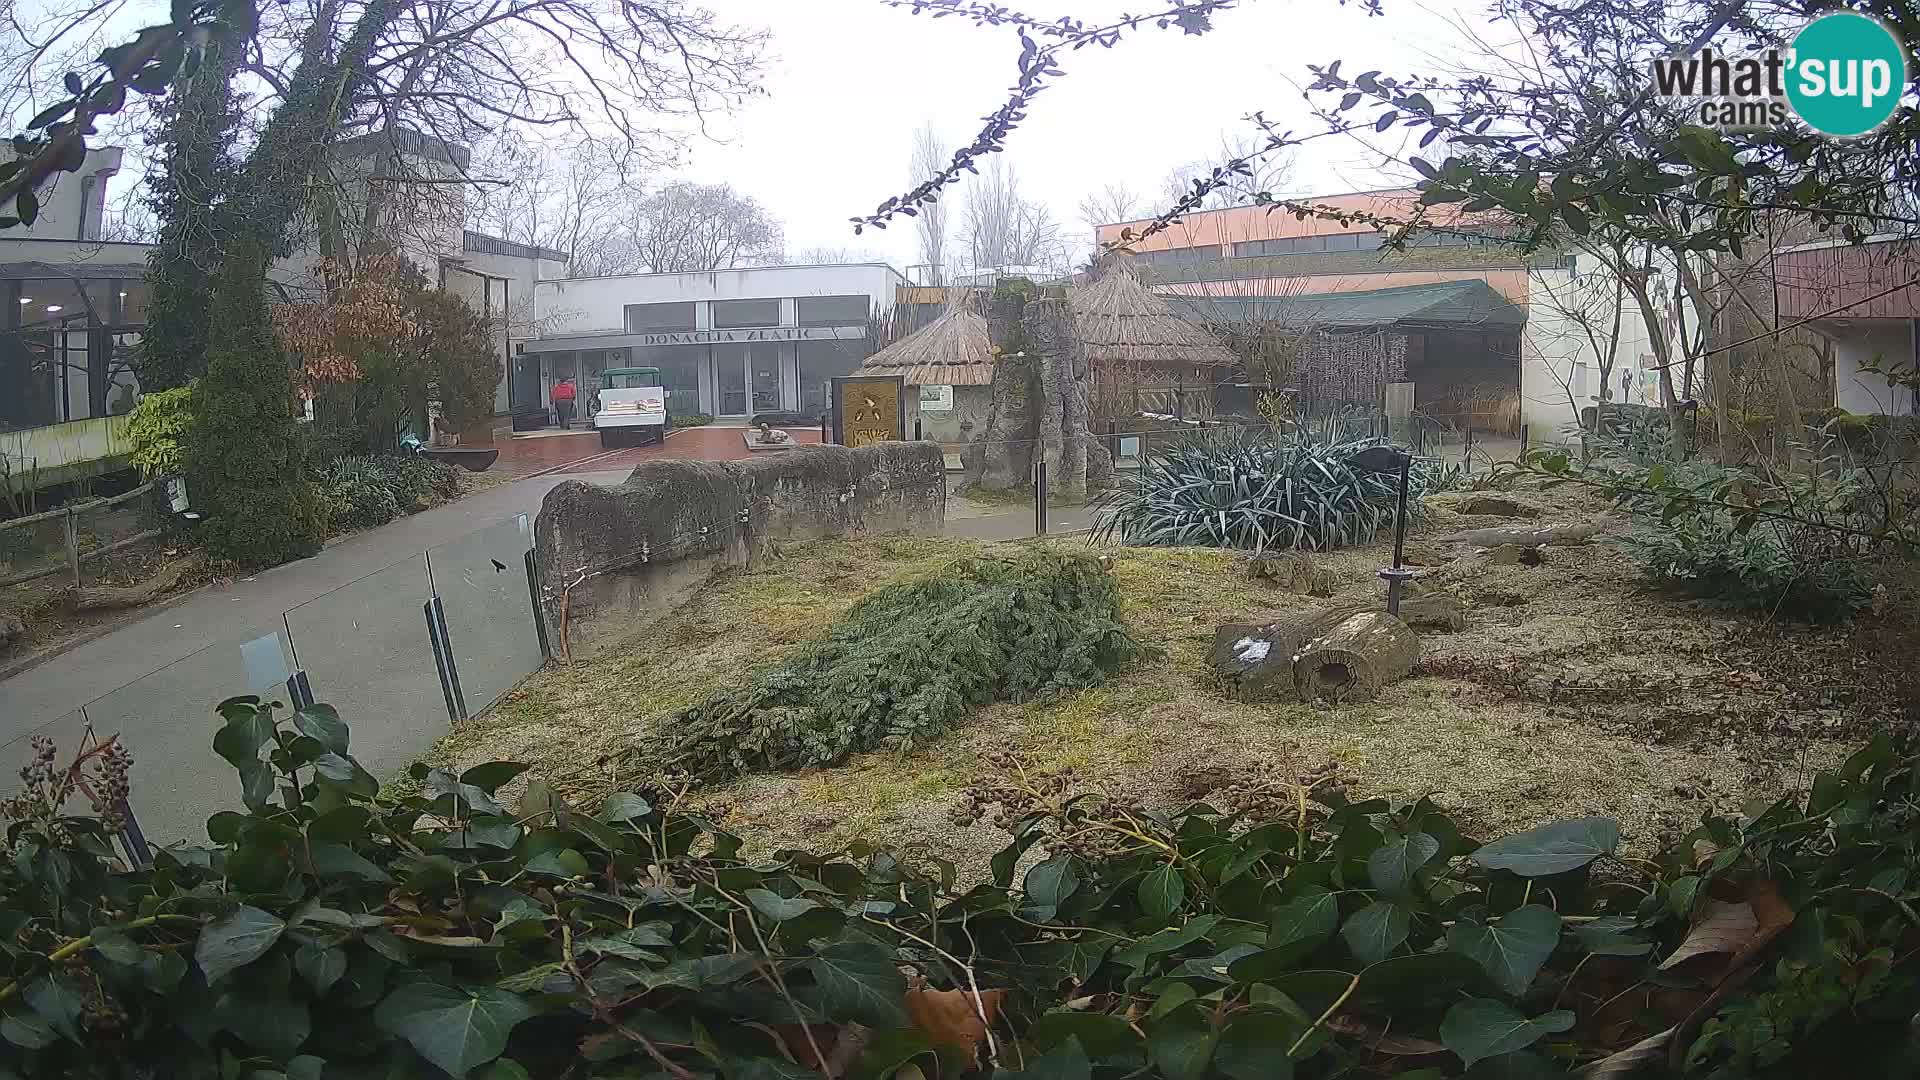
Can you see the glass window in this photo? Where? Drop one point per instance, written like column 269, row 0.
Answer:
column 736, row 314
column 833, row 310
column 819, row 362
column 632, row 380
column 659, row 318
column 679, row 374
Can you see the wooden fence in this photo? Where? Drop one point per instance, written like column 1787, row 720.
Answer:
column 69, row 519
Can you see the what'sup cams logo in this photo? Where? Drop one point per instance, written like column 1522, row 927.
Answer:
column 1842, row 76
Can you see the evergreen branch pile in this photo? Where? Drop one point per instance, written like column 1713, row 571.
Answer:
column 908, row 663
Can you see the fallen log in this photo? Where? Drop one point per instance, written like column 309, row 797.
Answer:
column 1294, row 571
column 1524, row 537
column 1254, row 658
column 108, row 597
column 1354, row 659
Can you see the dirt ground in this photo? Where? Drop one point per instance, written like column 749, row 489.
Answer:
column 1571, row 691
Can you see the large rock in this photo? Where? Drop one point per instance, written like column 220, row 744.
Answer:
column 1433, row 611
column 614, row 558
column 12, row 628
column 1294, row 571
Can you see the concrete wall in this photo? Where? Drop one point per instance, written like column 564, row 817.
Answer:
column 598, row 304
column 635, row 552
column 1556, row 354
column 966, row 419
column 71, row 205
column 61, row 452
column 1884, row 343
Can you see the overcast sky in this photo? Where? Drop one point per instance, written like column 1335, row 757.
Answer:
column 850, row 81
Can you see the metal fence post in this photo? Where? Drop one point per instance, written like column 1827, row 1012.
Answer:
column 443, row 659
column 539, row 616
column 299, row 690
column 1040, row 496
column 132, row 840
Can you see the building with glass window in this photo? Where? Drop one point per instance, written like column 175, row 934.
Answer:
column 728, row 343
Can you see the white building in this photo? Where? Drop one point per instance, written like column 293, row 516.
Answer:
column 728, row 343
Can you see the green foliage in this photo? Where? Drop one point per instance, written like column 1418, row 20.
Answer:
column 1790, row 543
column 245, row 459
column 694, row 419
column 329, row 930
column 361, row 492
column 1261, row 492
column 908, row 662
column 156, row 427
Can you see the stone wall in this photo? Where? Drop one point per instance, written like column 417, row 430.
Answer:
column 613, row 559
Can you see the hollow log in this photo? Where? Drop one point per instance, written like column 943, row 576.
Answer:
column 1524, row 537
column 1355, row 658
column 105, row 597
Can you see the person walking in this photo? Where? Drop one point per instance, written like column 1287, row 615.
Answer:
column 563, row 395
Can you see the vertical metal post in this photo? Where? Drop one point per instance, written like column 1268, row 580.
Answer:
column 1397, row 576
column 71, row 528
column 1040, row 496
column 1467, row 454
column 1523, row 438
column 299, row 690
column 539, row 617
column 443, row 659
column 132, row 840
column 825, row 436
column 916, row 427
column 1113, row 441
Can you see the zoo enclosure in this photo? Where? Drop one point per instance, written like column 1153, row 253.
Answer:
column 404, row 652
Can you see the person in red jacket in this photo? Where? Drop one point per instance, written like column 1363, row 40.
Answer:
column 563, row 395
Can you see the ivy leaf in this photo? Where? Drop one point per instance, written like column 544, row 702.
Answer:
column 1067, row 1061
column 322, row 723
column 860, row 979
column 272, row 1023
column 1392, row 864
column 456, row 1028
column 779, row 908
column 491, row 776
column 1512, row 950
column 113, row 943
column 1480, row 1028
column 624, row 806
column 233, row 941
column 1305, row 922
column 1162, row 891
column 1562, row 845
column 58, row 1004
column 1050, row 883
column 1376, row 930
column 1609, row 937
column 26, row 1031
column 1182, row 1045
column 321, row 967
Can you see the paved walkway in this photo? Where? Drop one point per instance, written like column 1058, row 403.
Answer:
column 353, row 615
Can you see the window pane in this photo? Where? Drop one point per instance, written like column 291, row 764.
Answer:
column 659, row 318
column 820, row 361
column 679, row 373
column 833, row 310
column 730, row 374
column 732, row 314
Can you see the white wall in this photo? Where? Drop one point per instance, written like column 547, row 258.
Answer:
column 1555, row 349
column 1886, row 343
column 597, row 305
column 72, row 202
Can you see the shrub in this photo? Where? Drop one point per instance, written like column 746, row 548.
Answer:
column 362, row 492
column 1797, row 571
column 907, row 663
column 1261, row 492
column 695, row 419
column 245, row 457
column 155, row 428
column 328, row 930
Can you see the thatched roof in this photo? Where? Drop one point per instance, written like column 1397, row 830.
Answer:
column 1121, row 322
column 951, row 350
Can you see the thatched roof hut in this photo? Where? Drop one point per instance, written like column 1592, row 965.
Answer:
column 952, row 350
column 1123, row 324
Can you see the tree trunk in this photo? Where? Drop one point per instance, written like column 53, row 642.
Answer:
column 1002, row 454
column 1050, row 336
column 1354, row 659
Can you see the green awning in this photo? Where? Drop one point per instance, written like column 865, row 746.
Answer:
column 1444, row 305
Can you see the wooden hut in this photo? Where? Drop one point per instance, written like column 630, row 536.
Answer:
column 1143, row 355
column 950, row 364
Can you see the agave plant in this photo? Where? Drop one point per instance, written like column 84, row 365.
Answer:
column 1262, row 492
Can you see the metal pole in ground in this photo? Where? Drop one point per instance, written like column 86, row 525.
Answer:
column 1040, row 497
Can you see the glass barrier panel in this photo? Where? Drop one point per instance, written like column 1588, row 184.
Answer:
column 482, row 582
column 167, row 720
column 365, row 649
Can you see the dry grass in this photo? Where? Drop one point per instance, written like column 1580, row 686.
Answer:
column 1570, row 693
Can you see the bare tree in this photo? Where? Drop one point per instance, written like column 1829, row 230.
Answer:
column 929, row 157
column 1265, row 172
column 1110, row 205
column 1002, row 229
column 573, row 197
column 687, row 226
column 832, row 256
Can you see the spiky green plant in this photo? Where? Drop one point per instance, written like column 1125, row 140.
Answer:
column 1260, row 491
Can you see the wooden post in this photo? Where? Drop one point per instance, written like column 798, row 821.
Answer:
column 71, row 524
